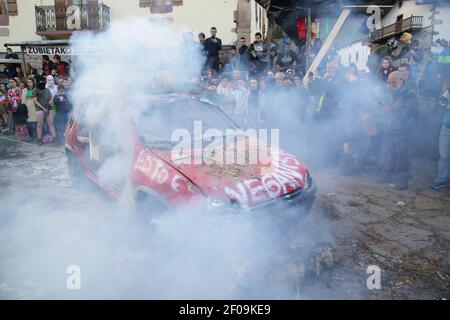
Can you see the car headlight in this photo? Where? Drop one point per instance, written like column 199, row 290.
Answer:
column 221, row 204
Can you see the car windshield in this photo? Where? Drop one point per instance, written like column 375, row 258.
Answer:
column 157, row 119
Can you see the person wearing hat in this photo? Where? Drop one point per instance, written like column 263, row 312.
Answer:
column 401, row 53
column 61, row 67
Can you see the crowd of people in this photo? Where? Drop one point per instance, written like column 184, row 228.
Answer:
column 358, row 119
column 35, row 108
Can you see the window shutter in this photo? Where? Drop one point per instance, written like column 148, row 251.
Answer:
column 12, row 8
column 145, row 3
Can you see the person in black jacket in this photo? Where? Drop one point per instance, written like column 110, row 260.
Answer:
column 63, row 108
column 213, row 45
column 10, row 70
column 244, row 62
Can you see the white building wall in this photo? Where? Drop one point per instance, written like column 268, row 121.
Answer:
column 408, row 8
column 259, row 21
column 201, row 15
column 442, row 31
column 195, row 15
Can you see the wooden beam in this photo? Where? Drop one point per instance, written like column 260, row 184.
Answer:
column 327, row 45
column 24, row 67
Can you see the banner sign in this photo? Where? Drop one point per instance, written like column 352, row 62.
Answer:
column 67, row 50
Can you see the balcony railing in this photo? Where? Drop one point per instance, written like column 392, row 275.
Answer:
column 64, row 19
column 407, row 24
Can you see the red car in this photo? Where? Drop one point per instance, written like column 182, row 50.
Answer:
column 139, row 146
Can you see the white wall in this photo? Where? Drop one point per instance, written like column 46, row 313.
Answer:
column 442, row 13
column 260, row 12
column 408, row 8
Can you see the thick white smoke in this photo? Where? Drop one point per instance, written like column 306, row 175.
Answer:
column 190, row 254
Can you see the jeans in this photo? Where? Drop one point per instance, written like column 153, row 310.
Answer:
column 444, row 155
column 396, row 154
column 61, row 119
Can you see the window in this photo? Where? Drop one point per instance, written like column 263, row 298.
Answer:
column 4, row 19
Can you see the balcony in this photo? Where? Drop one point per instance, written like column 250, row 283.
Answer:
column 62, row 20
column 408, row 24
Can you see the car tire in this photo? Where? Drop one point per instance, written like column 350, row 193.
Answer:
column 76, row 173
column 148, row 209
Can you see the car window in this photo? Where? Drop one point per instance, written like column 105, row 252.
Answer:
column 158, row 119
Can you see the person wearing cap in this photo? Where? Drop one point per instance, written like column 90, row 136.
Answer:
column 61, row 67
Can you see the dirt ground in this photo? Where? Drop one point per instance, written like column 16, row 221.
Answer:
column 405, row 233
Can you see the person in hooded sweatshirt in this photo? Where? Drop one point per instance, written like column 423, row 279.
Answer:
column 44, row 102
column 51, row 86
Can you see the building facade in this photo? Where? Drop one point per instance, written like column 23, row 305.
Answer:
column 28, row 20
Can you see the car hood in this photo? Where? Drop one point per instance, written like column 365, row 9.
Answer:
column 247, row 184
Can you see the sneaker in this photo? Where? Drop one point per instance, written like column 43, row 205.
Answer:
column 437, row 185
column 39, row 142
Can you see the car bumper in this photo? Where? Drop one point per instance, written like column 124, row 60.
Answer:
column 301, row 199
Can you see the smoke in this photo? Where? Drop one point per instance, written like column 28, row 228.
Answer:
column 185, row 254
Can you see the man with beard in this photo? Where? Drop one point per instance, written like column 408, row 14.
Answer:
column 258, row 55
column 396, row 133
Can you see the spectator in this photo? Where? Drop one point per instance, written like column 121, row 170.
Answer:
column 213, row 45
column 5, row 109
column 10, row 54
column 224, row 93
column 255, row 105
column 14, row 94
column 385, row 69
column 20, row 73
column 233, row 58
column 63, row 108
column 201, row 45
column 21, row 121
column 12, row 67
column 287, row 58
column 50, row 85
column 30, row 100
column 237, row 76
column 258, row 55
column 432, row 79
column 15, row 97
column 273, row 56
column 243, row 55
column 415, row 58
column 45, row 111
column 395, row 143
column 328, row 91
column 410, row 90
column 61, row 67
column 201, row 39
column 444, row 141
column 47, row 66
column 240, row 98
